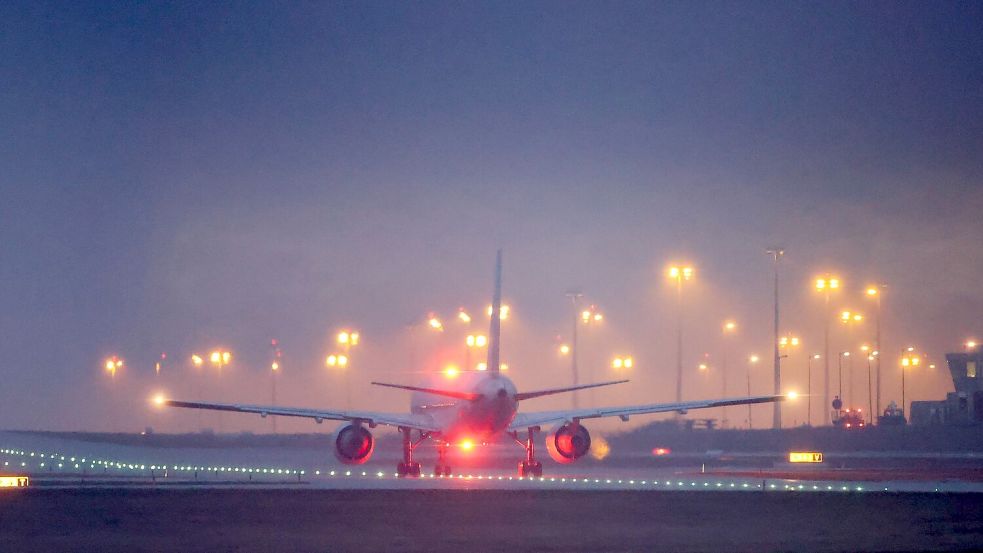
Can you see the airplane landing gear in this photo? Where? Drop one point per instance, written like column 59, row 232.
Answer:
column 442, row 468
column 530, row 467
column 408, row 467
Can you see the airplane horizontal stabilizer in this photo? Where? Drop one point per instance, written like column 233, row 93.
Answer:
column 470, row 396
column 539, row 393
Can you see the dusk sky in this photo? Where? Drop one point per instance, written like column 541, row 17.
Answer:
column 182, row 176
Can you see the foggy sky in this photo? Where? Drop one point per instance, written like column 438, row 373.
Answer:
column 182, row 176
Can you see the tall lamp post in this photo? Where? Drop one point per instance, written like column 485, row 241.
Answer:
column 588, row 316
column 809, row 385
column 197, row 361
column 825, row 285
column 574, row 297
column 849, row 319
column 729, row 328
column 785, row 343
column 752, row 360
column 274, row 369
column 908, row 359
column 875, row 292
column 347, row 339
column 680, row 274
column 776, row 420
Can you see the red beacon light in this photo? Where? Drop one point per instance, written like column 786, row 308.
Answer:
column 661, row 451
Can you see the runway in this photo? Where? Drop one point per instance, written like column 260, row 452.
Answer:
column 248, row 520
column 57, row 462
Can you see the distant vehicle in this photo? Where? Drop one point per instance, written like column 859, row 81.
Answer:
column 480, row 406
column 850, row 418
column 893, row 416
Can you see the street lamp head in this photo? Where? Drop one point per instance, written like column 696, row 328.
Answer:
column 682, row 273
column 730, row 326
column 564, row 349
column 971, row 344
column 196, row 360
column 274, row 366
column 463, row 316
column 871, row 291
column 434, row 322
column 503, row 313
column 754, row 358
column 816, row 356
column 215, row 357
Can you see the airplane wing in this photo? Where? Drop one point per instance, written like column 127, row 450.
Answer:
column 523, row 421
column 407, row 420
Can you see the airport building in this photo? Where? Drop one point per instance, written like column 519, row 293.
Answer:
column 963, row 406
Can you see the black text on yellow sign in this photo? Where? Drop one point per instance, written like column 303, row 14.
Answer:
column 805, row 457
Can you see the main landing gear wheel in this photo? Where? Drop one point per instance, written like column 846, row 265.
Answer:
column 408, row 469
column 530, row 467
column 533, row 468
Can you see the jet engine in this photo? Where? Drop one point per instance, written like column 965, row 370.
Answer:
column 568, row 442
column 353, row 444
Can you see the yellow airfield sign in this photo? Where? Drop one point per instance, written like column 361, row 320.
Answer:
column 805, row 457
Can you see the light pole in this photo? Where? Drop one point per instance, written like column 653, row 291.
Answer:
column 730, row 327
column 752, row 360
column 588, row 316
column 809, row 385
column 159, row 364
column 470, row 342
column 197, row 362
column 274, row 369
column 574, row 297
column 220, row 358
column 871, row 354
column 825, row 285
column 347, row 339
column 908, row 359
column 839, row 368
column 875, row 292
column 786, row 343
column 112, row 365
column 776, row 419
column 849, row 319
column 679, row 274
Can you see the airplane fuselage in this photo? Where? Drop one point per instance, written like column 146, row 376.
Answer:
column 478, row 420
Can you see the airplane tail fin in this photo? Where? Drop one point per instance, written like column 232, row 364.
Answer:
column 540, row 393
column 495, row 331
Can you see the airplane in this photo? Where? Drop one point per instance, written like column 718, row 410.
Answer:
column 483, row 405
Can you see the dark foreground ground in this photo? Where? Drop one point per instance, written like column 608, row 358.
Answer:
column 466, row 521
